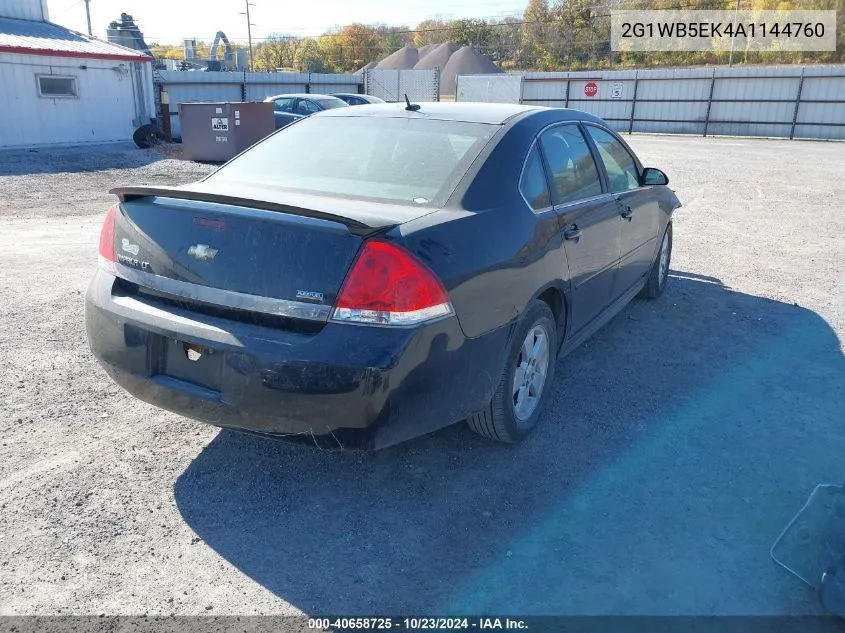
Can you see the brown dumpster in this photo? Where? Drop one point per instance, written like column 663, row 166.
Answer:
column 219, row 131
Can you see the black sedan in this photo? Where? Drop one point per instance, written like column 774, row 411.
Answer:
column 371, row 274
column 356, row 99
column 290, row 108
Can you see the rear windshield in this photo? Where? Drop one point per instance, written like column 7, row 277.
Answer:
column 328, row 104
column 403, row 160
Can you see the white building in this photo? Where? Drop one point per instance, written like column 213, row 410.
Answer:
column 59, row 87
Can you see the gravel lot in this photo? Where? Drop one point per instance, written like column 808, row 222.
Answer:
column 677, row 444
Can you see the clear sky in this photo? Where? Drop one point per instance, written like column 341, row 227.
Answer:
column 170, row 21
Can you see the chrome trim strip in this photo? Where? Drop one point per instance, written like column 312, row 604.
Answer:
column 226, row 298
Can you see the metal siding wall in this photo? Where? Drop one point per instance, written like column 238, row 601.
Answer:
column 748, row 101
column 103, row 111
column 150, row 104
column 259, row 86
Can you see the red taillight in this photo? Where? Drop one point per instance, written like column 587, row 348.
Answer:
column 389, row 286
column 107, row 236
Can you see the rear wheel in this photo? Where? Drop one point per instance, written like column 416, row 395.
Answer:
column 656, row 282
column 529, row 367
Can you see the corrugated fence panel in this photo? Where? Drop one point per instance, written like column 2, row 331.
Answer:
column 493, row 88
column 756, row 89
column 672, row 100
column 259, row 86
column 332, row 88
column 822, row 101
column 544, row 91
column 748, row 101
column 329, row 83
column 668, row 117
column 260, row 91
column 616, row 113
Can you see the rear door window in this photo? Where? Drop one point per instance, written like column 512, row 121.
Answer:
column 622, row 172
column 574, row 173
column 284, row 104
column 307, row 107
column 533, row 184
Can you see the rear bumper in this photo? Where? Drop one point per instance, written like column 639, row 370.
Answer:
column 348, row 386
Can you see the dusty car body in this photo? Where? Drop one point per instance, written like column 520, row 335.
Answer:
column 359, row 299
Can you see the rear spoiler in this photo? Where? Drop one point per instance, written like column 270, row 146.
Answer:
column 358, row 224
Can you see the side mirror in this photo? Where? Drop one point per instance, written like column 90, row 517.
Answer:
column 653, row 176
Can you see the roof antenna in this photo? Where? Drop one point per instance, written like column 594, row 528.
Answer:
column 411, row 107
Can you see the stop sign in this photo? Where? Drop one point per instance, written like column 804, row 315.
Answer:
column 591, row 89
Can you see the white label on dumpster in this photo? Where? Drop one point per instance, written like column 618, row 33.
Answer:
column 220, row 124
column 237, row 114
column 218, row 110
column 237, row 122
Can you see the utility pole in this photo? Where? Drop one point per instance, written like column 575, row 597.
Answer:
column 249, row 26
column 88, row 15
column 731, row 56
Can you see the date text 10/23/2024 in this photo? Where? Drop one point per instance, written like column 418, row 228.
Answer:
column 416, row 623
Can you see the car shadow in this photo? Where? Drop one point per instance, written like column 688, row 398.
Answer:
column 676, row 444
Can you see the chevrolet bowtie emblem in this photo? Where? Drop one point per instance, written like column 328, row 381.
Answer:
column 193, row 352
column 202, row 252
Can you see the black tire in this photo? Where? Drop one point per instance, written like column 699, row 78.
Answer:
column 657, row 277
column 146, row 136
column 499, row 421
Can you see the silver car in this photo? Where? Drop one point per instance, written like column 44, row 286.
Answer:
column 292, row 107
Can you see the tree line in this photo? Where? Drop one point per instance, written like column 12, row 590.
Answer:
column 550, row 35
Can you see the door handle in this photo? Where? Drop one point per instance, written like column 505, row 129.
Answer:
column 627, row 213
column 572, row 232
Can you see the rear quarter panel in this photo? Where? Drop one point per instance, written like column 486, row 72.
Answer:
column 492, row 263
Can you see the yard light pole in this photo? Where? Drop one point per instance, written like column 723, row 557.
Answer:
column 249, row 26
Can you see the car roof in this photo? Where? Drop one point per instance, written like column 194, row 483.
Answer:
column 301, row 95
column 495, row 113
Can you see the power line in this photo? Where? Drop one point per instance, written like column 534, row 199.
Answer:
column 440, row 29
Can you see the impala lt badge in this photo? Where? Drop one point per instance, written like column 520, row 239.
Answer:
column 310, row 294
column 202, row 252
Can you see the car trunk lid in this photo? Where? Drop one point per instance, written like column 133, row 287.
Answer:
column 241, row 248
